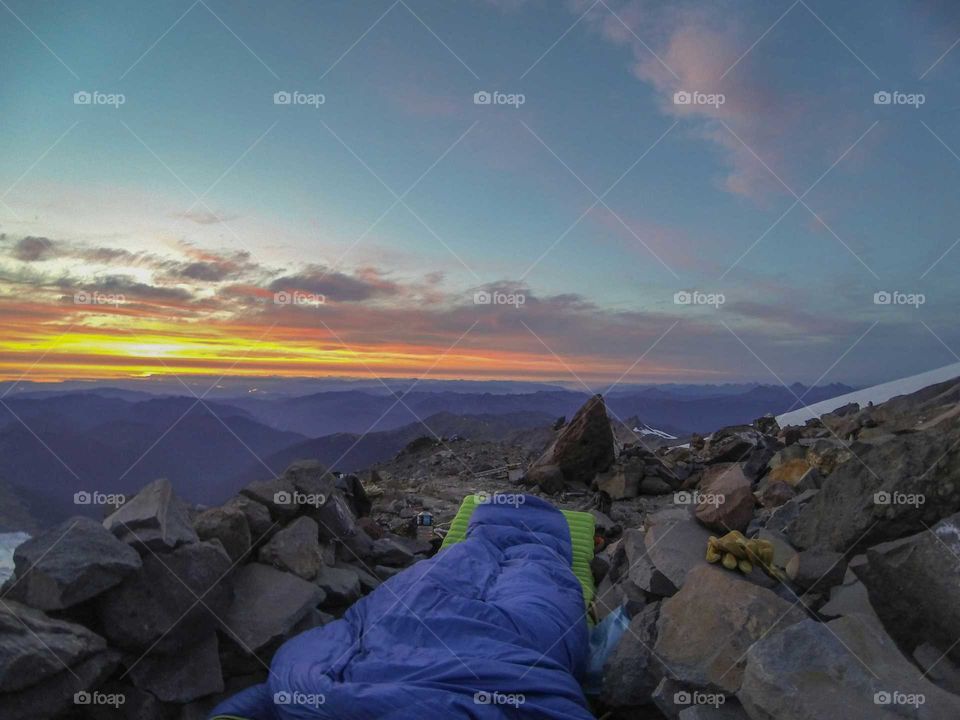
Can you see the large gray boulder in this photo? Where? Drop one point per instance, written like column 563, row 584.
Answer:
column 847, row 668
column 34, row 646
column 191, row 673
column 155, row 518
column 914, row 585
column 267, row 604
column 704, row 630
column 675, row 544
column 296, row 549
column 73, row 562
column 887, row 491
column 170, row 601
column 34, row 650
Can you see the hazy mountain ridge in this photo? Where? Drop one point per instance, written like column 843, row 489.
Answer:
column 116, row 441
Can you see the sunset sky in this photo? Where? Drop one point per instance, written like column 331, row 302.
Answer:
column 182, row 222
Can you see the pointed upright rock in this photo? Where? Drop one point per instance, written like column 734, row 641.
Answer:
column 584, row 447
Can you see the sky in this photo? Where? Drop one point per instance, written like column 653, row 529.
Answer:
column 578, row 190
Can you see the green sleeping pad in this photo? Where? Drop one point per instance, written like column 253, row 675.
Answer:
column 581, row 534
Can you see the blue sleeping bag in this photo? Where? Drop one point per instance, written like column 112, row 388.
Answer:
column 492, row 627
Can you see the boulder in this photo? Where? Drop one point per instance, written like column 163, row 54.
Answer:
column 341, row 584
column 914, row 585
column 640, row 568
column 847, row 668
column 583, row 448
column 35, row 647
column 227, row 524
column 192, row 672
column 59, row 695
column 817, row 570
column 727, row 499
column 296, row 549
column 392, row 552
column 630, row 674
column 655, row 486
column 784, row 516
column 170, row 601
column 675, row 544
column 775, row 494
column 267, row 604
column 705, row 629
column 73, row 562
column 791, row 472
column 730, row 444
column 889, row 491
column 258, row 517
column 155, row 519
column 755, row 463
column 278, row 495
column 338, row 523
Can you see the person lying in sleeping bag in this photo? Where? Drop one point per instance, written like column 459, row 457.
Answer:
column 492, row 627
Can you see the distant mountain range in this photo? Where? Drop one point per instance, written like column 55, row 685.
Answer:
column 58, row 442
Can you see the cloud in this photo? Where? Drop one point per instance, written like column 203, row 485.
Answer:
column 206, row 217
column 366, row 284
column 33, row 249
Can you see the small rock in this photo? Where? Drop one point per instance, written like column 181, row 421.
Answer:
column 341, row 585
column 392, row 552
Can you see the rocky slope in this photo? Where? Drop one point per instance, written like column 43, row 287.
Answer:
column 833, row 592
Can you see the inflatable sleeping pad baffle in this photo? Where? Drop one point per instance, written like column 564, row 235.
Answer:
column 492, row 627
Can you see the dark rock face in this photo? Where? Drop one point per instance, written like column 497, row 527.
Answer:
column 631, row 674
column 676, row 544
column 267, row 604
column 341, row 584
column 584, row 447
column 859, row 673
column 893, row 489
column 296, row 549
column 33, row 681
column 227, row 524
column 191, row 673
column 71, row 563
column 160, row 603
column 155, row 518
column 914, row 585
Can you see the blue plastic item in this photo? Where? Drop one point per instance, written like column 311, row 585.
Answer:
column 604, row 639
